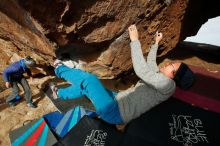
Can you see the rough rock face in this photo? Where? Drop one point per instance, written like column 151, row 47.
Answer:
column 102, row 26
column 96, row 30
column 18, row 27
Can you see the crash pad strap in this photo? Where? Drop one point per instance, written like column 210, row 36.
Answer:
column 198, row 100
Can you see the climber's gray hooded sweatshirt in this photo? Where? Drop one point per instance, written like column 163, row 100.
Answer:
column 153, row 88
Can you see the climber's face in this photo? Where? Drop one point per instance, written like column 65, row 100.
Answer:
column 170, row 69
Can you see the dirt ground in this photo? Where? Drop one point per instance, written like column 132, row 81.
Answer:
column 14, row 117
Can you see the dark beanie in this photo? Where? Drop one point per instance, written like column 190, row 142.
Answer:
column 184, row 77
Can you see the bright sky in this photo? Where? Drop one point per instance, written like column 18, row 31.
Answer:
column 209, row 33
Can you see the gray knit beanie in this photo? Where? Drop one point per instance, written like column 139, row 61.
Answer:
column 29, row 62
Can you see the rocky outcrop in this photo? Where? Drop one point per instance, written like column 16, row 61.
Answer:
column 101, row 26
column 23, row 33
column 96, row 31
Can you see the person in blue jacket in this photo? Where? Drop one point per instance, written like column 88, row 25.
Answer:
column 13, row 75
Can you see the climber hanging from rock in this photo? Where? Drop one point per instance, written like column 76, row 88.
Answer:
column 155, row 86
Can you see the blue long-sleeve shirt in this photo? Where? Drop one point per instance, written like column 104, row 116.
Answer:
column 15, row 71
